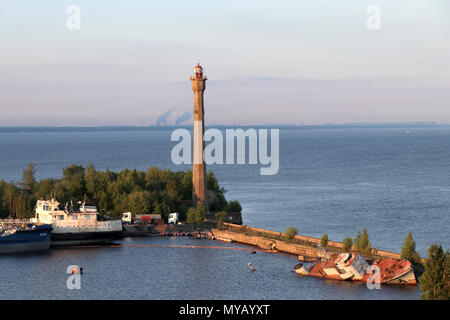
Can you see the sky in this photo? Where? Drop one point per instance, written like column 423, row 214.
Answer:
column 290, row 62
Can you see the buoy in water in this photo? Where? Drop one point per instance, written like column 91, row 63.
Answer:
column 75, row 270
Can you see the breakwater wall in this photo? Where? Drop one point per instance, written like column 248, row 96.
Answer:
column 293, row 248
column 266, row 244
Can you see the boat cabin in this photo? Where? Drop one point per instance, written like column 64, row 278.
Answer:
column 49, row 212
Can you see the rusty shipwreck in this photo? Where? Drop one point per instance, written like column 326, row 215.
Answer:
column 354, row 267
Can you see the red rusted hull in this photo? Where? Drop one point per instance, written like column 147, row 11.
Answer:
column 353, row 267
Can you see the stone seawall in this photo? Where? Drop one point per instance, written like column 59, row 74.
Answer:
column 265, row 243
column 291, row 247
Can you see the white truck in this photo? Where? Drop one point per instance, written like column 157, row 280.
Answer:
column 173, row 218
column 126, row 217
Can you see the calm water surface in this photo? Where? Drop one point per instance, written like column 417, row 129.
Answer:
column 173, row 273
column 332, row 181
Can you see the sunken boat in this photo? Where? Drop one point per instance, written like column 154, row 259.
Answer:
column 353, row 267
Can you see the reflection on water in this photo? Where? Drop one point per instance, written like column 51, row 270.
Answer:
column 173, row 273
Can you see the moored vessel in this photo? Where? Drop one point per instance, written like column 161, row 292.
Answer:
column 76, row 227
column 23, row 236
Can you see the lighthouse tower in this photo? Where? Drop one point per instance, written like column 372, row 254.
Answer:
column 198, row 81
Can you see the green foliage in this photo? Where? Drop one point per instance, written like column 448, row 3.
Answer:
column 291, row 232
column 137, row 202
column 347, row 244
column 163, row 209
column 361, row 242
column 434, row 282
column 74, row 183
column 220, row 218
column 233, row 206
column 365, row 244
column 28, row 181
column 409, row 250
column 357, row 241
column 152, row 191
column 196, row 215
column 213, row 187
column 324, row 240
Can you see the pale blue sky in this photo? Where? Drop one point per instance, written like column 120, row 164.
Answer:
column 300, row 62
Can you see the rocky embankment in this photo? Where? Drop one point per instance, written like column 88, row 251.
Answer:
column 138, row 230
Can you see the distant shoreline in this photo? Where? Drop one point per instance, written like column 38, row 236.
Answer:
column 393, row 125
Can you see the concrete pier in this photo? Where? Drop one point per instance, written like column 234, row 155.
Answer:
column 300, row 246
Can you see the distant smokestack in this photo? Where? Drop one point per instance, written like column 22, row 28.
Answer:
column 183, row 117
column 162, row 119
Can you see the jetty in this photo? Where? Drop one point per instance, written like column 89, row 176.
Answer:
column 330, row 262
column 299, row 245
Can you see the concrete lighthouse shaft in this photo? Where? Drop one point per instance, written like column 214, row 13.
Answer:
column 198, row 81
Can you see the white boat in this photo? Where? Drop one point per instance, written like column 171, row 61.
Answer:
column 79, row 227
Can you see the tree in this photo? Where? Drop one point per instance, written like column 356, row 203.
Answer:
column 163, row 209
column 361, row 242
column 434, row 282
column 347, row 244
column 324, row 240
column 139, row 202
column 28, row 181
column 409, row 250
column 196, row 215
column 357, row 241
column 364, row 243
column 233, row 206
column 92, row 182
column 291, row 232
column 74, row 182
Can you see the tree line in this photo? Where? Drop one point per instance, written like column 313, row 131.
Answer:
column 159, row 191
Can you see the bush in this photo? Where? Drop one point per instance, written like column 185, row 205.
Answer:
column 291, row 232
column 324, row 240
column 196, row 215
column 347, row 244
